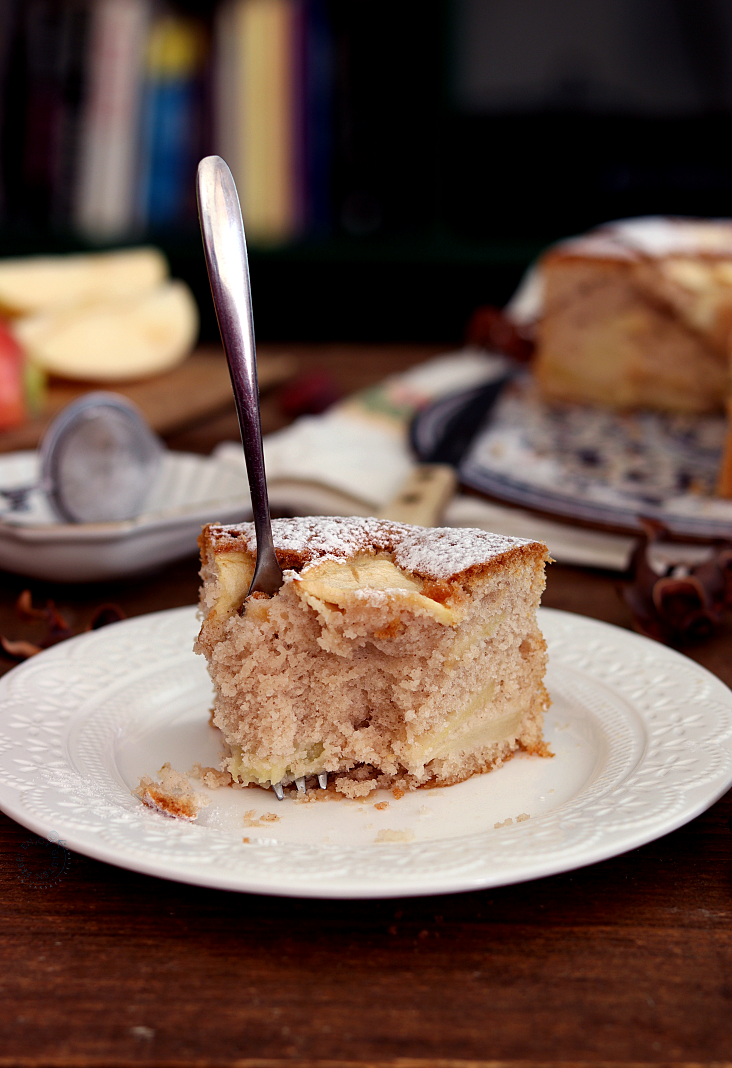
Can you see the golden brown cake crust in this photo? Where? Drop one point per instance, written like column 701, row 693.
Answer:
column 438, row 554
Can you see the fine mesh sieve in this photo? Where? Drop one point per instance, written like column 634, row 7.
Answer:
column 98, row 461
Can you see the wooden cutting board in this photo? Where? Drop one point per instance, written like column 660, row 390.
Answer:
column 197, row 388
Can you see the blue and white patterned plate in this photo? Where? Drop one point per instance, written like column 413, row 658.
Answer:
column 594, row 465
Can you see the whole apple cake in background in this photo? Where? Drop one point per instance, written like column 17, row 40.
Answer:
column 392, row 656
column 638, row 314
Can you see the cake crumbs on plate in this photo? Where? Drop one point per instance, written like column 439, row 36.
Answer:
column 382, row 806
column 387, row 835
column 214, row 778
column 521, row 818
column 313, row 796
column 251, row 820
column 172, row 796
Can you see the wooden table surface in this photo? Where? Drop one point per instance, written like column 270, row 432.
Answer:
column 625, row 962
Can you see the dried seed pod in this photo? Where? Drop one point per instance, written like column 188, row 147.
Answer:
column 490, row 328
column 682, row 605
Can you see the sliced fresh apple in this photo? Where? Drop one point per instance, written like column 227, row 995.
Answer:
column 44, row 283
column 116, row 341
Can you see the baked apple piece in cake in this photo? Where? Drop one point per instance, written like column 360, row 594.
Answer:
column 391, row 656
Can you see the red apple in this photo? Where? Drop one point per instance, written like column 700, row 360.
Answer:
column 12, row 380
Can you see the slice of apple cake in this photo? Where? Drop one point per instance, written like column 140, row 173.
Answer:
column 392, row 655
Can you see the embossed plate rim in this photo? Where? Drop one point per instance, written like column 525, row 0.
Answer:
column 685, row 767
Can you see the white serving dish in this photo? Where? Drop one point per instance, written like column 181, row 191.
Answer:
column 641, row 737
column 189, row 491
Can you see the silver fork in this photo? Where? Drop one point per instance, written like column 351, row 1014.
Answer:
column 225, row 248
column 279, row 787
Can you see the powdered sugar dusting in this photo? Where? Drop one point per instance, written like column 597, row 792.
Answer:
column 445, row 551
column 438, row 553
column 655, row 237
column 597, row 244
column 659, row 236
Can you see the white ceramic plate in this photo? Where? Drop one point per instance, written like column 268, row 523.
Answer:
column 642, row 738
column 188, row 492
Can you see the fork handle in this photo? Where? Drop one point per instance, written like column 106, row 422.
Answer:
column 225, row 249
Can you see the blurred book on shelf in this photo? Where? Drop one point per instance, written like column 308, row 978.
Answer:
column 398, row 164
column 173, row 120
column 108, row 151
column 115, row 101
column 261, row 140
column 42, row 55
column 273, row 112
column 326, row 118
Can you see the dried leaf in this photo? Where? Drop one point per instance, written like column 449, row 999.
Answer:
column 24, row 607
column 57, row 628
column 20, row 650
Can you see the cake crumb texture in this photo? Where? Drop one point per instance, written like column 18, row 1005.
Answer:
column 214, row 778
column 392, row 657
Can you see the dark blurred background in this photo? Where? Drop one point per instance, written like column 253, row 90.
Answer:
column 400, row 162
